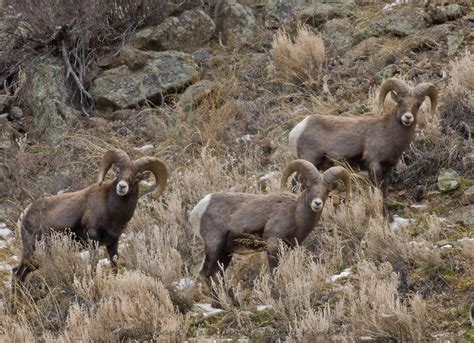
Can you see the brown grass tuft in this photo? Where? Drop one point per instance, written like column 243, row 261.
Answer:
column 298, row 61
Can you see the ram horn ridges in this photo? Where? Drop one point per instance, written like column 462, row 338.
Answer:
column 159, row 170
column 429, row 90
column 338, row 173
column 307, row 169
column 392, row 84
column 111, row 157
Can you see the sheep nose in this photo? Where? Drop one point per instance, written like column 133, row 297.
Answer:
column 318, row 202
column 121, row 186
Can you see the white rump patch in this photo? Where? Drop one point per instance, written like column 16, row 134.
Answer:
column 19, row 223
column 295, row 135
column 197, row 212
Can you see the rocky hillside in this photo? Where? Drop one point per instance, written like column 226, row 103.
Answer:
column 213, row 88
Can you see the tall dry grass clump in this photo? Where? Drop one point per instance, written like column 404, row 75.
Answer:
column 461, row 83
column 299, row 61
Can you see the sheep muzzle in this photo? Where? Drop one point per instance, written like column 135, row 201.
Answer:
column 317, row 204
column 408, row 118
column 122, row 188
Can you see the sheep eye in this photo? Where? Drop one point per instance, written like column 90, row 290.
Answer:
column 139, row 176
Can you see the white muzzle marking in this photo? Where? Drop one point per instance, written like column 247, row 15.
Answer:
column 317, row 204
column 407, row 118
column 122, row 188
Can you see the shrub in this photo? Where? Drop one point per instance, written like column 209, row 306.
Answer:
column 298, row 61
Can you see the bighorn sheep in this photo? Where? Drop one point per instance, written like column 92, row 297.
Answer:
column 98, row 213
column 221, row 218
column 373, row 142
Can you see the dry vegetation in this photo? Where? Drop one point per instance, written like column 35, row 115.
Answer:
column 298, row 60
column 402, row 285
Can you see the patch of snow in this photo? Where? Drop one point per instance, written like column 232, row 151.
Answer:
column 366, row 338
column 263, row 307
column 344, row 274
column 208, row 310
column 399, row 222
column 3, row 244
column 3, row 225
column 6, row 233
column 103, row 262
column 268, row 176
column 145, row 147
column 389, row 7
column 466, row 239
column 417, row 206
column 84, row 255
column 15, row 258
column 185, row 283
column 447, row 246
column 245, row 138
column 5, row 266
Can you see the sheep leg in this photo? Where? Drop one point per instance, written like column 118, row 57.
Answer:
column 375, row 173
column 112, row 251
column 216, row 261
column 93, row 247
column 272, row 254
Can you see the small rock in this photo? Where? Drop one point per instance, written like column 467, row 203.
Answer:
column 441, row 14
column 448, row 180
column 145, row 148
column 195, row 93
column 468, row 162
column 208, row 310
column 463, row 215
column 5, row 102
column 454, row 42
column 317, row 14
column 468, row 196
column 399, row 222
column 184, row 283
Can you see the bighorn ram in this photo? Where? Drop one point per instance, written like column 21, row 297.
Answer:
column 373, row 142
column 98, row 213
column 221, row 218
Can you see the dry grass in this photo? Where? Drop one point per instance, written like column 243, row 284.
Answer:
column 461, row 83
column 299, row 61
column 397, row 276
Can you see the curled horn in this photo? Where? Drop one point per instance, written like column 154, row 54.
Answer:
column 309, row 171
column 338, row 173
column 159, row 170
column 429, row 90
column 392, row 84
column 111, row 157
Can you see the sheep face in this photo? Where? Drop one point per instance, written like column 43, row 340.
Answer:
column 316, row 196
column 127, row 179
column 408, row 106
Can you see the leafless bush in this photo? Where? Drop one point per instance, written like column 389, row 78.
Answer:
column 298, row 61
column 79, row 31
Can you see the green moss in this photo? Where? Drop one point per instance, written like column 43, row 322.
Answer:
column 466, row 182
column 261, row 317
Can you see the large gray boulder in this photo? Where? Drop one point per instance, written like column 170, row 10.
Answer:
column 317, row 14
column 404, row 22
column 157, row 74
column 235, row 24
column 188, row 32
column 46, row 96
